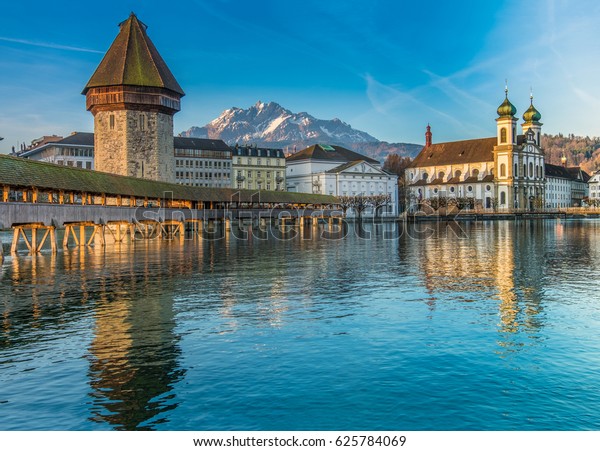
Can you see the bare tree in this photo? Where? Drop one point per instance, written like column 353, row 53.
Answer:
column 380, row 200
column 360, row 204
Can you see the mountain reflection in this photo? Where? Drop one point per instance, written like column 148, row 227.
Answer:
column 134, row 353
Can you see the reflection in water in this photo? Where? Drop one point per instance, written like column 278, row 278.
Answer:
column 244, row 334
column 502, row 260
column 134, row 352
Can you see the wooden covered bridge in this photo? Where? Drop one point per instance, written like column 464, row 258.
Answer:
column 38, row 198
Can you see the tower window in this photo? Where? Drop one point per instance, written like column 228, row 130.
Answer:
column 111, row 121
column 503, row 135
column 503, row 198
column 502, row 170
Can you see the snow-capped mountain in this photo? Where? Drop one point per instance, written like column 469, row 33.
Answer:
column 269, row 124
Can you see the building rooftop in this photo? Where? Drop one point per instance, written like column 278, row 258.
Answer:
column 456, row 152
column 181, row 142
column 252, row 151
column 324, row 152
column 21, row 172
column 132, row 59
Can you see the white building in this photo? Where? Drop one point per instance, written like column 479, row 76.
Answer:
column 594, row 187
column 202, row 162
column 558, row 187
column 334, row 170
column 76, row 150
column 565, row 187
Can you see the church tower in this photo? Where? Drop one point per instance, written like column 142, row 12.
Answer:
column 504, row 153
column 133, row 96
column 531, row 119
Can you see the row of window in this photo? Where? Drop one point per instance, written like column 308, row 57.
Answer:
column 202, row 164
column 68, row 152
column 78, row 164
column 259, row 162
column 538, row 171
column 200, row 153
column 200, row 175
column 249, row 173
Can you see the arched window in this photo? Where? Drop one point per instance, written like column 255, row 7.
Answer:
column 475, row 173
column 502, row 198
column 425, row 176
column 441, row 175
column 530, row 169
column 503, row 135
column 502, row 170
column 516, row 174
column 457, row 174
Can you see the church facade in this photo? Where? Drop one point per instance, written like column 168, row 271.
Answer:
column 502, row 172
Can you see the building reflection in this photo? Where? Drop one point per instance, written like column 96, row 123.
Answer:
column 134, row 353
column 499, row 260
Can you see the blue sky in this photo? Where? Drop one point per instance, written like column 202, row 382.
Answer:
column 385, row 67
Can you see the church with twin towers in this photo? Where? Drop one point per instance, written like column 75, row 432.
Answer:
column 503, row 172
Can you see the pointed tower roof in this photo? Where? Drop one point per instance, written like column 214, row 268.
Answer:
column 506, row 109
column 133, row 60
column 532, row 114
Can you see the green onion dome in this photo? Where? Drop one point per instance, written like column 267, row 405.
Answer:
column 507, row 109
column 532, row 115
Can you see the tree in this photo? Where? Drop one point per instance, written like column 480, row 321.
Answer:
column 361, row 203
column 397, row 164
column 379, row 201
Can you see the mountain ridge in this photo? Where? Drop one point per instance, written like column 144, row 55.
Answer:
column 271, row 125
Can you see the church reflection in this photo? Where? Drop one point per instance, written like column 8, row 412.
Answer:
column 499, row 260
column 134, row 353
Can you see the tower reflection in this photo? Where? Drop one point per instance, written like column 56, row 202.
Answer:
column 497, row 260
column 134, row 353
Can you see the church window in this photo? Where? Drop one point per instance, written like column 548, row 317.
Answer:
column 503, row 135
column 530, row 169
column 502, row 170
column 503, row 198
column 488, row 187
column 469, row 188
column 516, row 174
column 457, row 174
column 441, row 175
column 425, row 176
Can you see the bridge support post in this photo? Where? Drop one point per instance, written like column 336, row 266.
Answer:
column 33, row 245
column 79, row 238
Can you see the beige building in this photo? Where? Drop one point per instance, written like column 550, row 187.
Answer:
column 258, row 168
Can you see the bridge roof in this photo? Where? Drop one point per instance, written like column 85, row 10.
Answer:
column 21, row 172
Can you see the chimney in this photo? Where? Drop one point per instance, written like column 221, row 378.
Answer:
column 428, row 136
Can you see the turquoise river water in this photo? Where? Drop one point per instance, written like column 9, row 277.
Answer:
column 492, row 328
